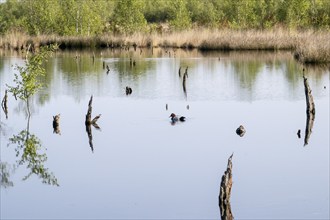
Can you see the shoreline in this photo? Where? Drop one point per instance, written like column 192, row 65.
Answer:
column 307, row 46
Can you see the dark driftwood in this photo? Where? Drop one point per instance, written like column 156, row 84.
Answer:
column 56, row 124
column 310, row 111
column 225, row 191
column 4, row 104
column 309, row 98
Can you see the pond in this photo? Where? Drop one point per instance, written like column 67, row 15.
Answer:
column 136, row 164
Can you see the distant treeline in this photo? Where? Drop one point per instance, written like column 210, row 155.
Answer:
column 94, row 17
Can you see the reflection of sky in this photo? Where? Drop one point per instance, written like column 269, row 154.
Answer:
column 143, row 167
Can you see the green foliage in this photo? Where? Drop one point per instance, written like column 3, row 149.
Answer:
column 128, row 16
column 204, row 13
column 93, row 17
column 179, row 16
column 27, row 81
column 157, row 11
column 10, row 16
column 28, row 146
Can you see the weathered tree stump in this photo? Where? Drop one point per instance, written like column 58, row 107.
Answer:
column 310, row 111
column 309, row 98
column 56, row 124
column 225, row 191
column 89, row 120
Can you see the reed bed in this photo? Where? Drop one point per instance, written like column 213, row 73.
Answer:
column 308, row 46
column 313, row 49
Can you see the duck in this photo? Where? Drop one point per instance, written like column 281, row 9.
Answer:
column 176, row 118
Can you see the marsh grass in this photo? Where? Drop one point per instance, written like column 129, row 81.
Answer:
column 308, row 46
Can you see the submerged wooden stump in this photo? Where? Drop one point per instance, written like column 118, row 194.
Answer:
column 225, row 191
column 89, row 122
column 309, row 98
column 310, row 111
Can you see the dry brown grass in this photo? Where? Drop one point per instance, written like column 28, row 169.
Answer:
column 309, row 46
column 314, row 49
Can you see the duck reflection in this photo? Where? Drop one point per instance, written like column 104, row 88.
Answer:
column 30, row 152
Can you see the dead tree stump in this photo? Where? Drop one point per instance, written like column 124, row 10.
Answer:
column 309, row 98
column 89, row 122
column 225, row 191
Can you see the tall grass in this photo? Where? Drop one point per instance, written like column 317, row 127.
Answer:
column 308, row 45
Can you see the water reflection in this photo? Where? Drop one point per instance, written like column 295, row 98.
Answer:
column 310, row 111
column 78, row 77
column 5, row 171
column 309, row 126
column 4, row 104
column 56, row 124
column 29, row 150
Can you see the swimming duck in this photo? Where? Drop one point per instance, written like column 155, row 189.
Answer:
column 176, row 118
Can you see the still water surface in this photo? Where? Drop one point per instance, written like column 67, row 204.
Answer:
column 142, row 166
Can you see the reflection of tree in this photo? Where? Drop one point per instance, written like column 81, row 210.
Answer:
column 28, row 148
column 5, row 170
column 309, row 126
column 247, row 72
column 310, row 111
column 123, row 67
